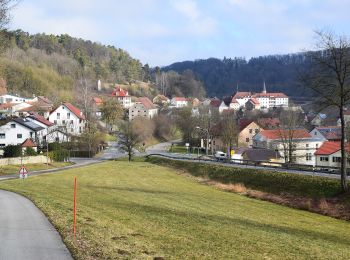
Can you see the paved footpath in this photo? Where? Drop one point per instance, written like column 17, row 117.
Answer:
column 25, row 232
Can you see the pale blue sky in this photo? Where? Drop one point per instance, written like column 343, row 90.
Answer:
column 160, row 32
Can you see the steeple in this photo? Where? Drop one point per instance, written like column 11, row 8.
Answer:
column 237, row 86
column 264, row 89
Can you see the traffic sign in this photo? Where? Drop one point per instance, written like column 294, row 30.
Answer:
column 23, row 172
column 232, row 152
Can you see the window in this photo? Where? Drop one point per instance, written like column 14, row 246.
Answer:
column 256, row 131
column 307, row 145
column 324, row 159
column 31, row 134
column 247, row 140
column 250, row 131
column 68, row 115
column 71, row 121
column 19, row 136
column 2, row 136
column 63, row 121
column 57, row 139
column 55, row 122
column 58, row 116
column 2, row 145
column 308, row 156
column 316, row 145
column 13, row 125
column 336, row 159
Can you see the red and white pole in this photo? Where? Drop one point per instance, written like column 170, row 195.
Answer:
column 75, row 207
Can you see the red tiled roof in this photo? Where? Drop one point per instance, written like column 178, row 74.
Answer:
column 98, row 101
column 242, row 95
column 146, row 102
column 41, row 119
column 269, row 95
column 268, row 122
column 119, row 92
column 215, row 102
column 328, row 148
column 243, row 123
column 6, row 105
column 255, row 101
column 28, row 143
column 180, row 99
column 76, row 111
column 280, row 133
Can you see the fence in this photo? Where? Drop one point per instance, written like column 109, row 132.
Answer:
column 260, row 164
column 23, row 160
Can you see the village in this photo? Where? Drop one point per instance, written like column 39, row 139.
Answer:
column 268, row 127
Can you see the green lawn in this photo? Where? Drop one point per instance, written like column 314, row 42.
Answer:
column 13, row 169
column 141, row 210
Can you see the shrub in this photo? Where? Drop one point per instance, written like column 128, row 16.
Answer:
column 30, row 152
column 60, row 155
column 12, row 151
column 263, row 180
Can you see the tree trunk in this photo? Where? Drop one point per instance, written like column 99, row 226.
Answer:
column 343, row 172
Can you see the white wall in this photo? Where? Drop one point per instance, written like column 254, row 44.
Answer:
column 67, row 119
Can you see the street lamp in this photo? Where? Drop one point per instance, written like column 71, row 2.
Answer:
column 207, row 142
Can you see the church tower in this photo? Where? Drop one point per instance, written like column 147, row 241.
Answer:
column 264, row 89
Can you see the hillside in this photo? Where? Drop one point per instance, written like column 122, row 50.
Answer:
column 54, row 65
column 220, row 77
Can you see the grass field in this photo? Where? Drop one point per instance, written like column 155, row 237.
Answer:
column 140, row 210
column 13, row 169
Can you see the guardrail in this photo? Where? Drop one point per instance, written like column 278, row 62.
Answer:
column 259, row 164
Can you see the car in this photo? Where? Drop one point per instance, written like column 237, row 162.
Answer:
column 220, row 155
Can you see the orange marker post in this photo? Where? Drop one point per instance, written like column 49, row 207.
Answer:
column 75, row 208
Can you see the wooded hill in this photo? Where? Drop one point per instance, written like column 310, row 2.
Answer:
column 220, row 77
column 54, row 65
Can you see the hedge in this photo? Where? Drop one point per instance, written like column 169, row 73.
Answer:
column 263, row 180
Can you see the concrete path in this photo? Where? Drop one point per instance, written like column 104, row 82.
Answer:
column 25, row 232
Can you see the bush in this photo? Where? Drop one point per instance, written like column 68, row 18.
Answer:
column 30, row 152
column 263, row 180
column 82, row 154
column 12, row 151
column 60, row 155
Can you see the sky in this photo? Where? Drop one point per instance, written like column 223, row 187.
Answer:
column 160, row 32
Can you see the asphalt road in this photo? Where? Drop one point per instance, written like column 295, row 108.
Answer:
column 25, row 232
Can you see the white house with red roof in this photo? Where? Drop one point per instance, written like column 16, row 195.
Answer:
column 179, row 102
column 122, row 96
column 304, row 145
column 143, row 107
column 68, row 118
column 329, row 154
column 263, row 100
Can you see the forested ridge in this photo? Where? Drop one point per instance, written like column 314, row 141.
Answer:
column 221, row 76
column 53, row 65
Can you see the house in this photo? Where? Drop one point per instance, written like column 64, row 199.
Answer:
column 303, row 144
column 318, row 119
column 68, row 118
column 12, row 99
column 215, row 103
column 17, row 130
column 46, row 124
column 97, row 103
column 179, row 102
column 327, row 133
column 329, row 154
column 161, row 100
column 247, row 130
column 28, row 143
column 143, row 107
column 251, row 154
column 252, row 104
column 122, row 96
column 263, row 100
column 346, row 118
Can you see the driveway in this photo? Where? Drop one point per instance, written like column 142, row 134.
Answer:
column 26, row 233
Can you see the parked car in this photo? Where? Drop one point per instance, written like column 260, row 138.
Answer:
column 220, row 155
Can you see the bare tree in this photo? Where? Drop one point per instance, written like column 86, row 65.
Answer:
column 112, row 112
column 290, row 121
column 329, row 78
column 5, row 7
column 129, row 139
column 229, row 132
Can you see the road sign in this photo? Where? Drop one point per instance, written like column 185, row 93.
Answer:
column 187, row 144
column 23, row 172
column 232, row 152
